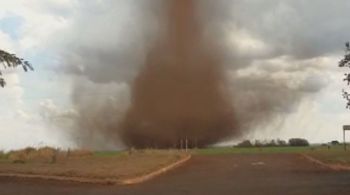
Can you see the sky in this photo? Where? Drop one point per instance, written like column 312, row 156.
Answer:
column 98, row 47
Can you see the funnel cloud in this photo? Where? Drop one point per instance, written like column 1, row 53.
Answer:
column 188, row 70
column 180, row 92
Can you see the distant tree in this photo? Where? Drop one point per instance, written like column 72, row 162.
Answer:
column 345, row 62
column 335, row 142
column 281, row 142
column 298, row 142
column 258, row 143
column 271, row 143
column 12, row 61
column 245, row 144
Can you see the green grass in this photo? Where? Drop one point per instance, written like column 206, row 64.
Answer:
column 252, row 150
column 107, row 153
column 3, row 155
column 333, row 155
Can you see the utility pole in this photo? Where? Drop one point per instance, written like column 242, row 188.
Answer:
column 181, row 144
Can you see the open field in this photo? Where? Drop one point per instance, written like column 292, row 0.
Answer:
column 99, row 165
column 250, row 150
column 117, row 165
column 211, row 174
column 332, row 155
column 219, row 170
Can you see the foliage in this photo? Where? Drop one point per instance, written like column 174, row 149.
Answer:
column 245, row 143
column 345, row 62
column 264, row 143
column 251, row 150
column 335, row 142
column 12, row 61
column 298, row 142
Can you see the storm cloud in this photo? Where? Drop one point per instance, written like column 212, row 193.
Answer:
column 271, row 52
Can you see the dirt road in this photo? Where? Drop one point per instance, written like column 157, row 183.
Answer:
column 222, row 174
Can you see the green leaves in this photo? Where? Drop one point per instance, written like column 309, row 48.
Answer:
column 9, row 60
column 345, row 62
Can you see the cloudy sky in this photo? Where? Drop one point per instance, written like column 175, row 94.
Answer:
column 279, row 53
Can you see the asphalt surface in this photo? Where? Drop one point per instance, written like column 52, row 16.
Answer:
column 221, row 174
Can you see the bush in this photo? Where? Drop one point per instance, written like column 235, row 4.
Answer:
column 44, row 155
column 281, row 142
column 245, row 144
column 2, row 154
column 298, row 142
column 335, row 142
column 270, row 143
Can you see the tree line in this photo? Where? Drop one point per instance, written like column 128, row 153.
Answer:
column 274, row 143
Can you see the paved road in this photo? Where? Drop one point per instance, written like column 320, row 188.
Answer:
column 226, row 174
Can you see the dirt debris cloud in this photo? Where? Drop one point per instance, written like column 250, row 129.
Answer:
column 180, row 92
column 187, row 83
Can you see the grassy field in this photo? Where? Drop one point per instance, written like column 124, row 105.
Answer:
column 332, row 155
column 3, row 156
column 99, row 165
column 124, row 164
column 251, row 150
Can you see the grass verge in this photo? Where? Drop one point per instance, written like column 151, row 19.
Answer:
column 251, row 150
column 100, row 165
column 333, row 155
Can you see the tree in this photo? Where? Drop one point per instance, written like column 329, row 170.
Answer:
column 298, row 142
column 345, row 62
column 245, row 144
column 12, row 61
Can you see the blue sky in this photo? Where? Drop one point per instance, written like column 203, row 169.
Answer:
column 12, row 25
column 52, row 33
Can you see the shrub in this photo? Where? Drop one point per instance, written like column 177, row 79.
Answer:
column 281, row 142
column 259, row 143
column 271, row 143
column 45, row 154
column 335, row 142
column 245, row 143
column 298, row 142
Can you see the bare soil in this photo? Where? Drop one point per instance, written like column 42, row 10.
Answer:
column 115, row 167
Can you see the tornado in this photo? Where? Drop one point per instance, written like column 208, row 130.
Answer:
column 180, row 94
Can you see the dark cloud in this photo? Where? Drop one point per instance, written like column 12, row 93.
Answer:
column 267, row 48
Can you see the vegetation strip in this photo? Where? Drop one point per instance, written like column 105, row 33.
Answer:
column 336, row 167
column 107, row 181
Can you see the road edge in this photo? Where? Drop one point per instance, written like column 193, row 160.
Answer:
column 146, row 177
column 106, row 181
column 335, row 167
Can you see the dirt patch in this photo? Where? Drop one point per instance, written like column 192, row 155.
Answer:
column 95, row 169
column 336, row 167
